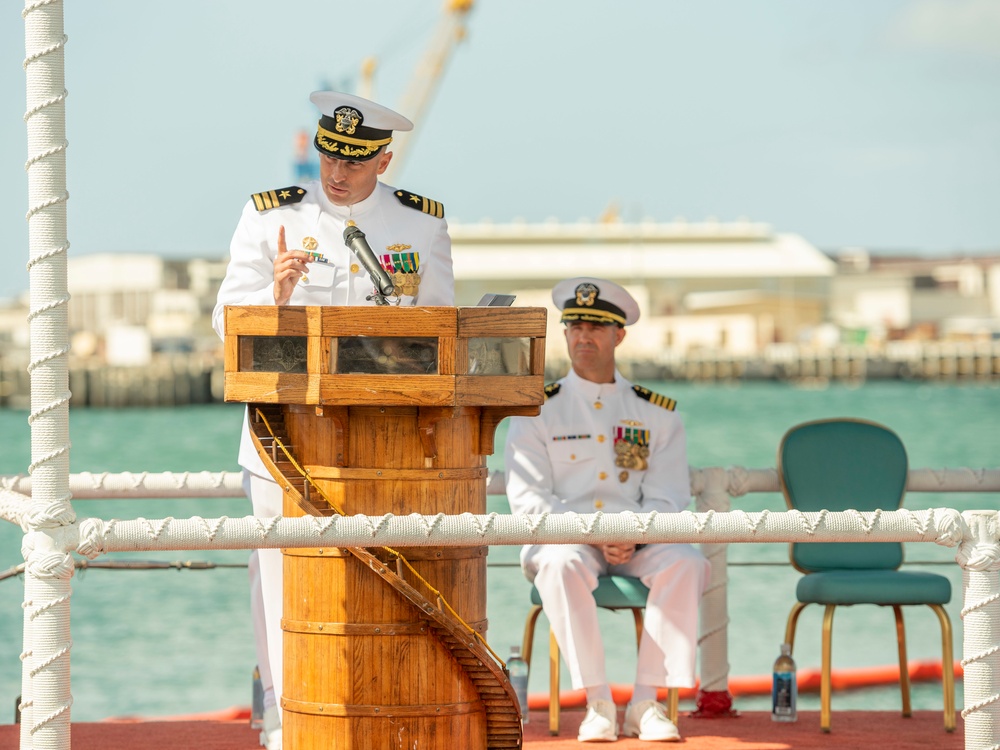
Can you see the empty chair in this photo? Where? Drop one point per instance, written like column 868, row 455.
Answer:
column 839, row 464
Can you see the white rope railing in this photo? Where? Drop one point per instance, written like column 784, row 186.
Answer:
column 713, row 486
column 93, row 537
column 943, row 526
column 975, row 532
column 141, row 485
column 14, row 506
column 738, row 482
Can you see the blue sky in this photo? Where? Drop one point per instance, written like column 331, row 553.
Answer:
column 853, row 123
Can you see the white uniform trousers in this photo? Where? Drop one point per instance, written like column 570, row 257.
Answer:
column 266, row 589
column 676, row 575
column 260, row 629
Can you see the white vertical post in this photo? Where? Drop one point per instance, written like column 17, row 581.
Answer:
column 979, row 556
column 46, row 699
column 713, row 696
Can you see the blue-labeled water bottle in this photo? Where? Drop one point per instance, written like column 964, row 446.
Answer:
column 257, row 701
column 784, row 689
column 517, row 668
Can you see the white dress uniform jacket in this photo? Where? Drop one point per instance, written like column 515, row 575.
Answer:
column 386, row 221
column 389, row 225
column 565, row 460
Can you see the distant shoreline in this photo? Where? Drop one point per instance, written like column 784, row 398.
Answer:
column 179, row 379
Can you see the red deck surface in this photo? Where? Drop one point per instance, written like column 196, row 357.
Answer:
column 751, row 731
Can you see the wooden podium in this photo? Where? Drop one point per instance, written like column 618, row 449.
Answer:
column 375, row 410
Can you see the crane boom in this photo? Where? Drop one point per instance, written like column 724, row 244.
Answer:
column 450, row 31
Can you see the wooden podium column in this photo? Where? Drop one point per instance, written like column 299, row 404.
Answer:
column 385, row 410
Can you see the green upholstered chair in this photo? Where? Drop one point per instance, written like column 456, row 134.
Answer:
column 614, row 593
column 838, row 464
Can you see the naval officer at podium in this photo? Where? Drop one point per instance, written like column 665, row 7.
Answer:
column 289, row 249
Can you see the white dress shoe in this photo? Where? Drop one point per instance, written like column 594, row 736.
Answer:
column 270, row 736
column 648, row 720
column 600, row 724
column 271, row 740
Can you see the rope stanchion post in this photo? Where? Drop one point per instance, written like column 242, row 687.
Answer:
column 713, row 699
column 45, row 683
column 45, row 717
column 979, row 556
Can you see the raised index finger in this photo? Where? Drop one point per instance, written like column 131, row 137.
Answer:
column 282, row 247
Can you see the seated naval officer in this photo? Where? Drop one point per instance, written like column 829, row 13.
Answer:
column 602, row 444
column 289, row 249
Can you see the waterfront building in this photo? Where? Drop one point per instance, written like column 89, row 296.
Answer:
column 124, row 307
column 732, row 288
column 718, row 300
column 886, row 298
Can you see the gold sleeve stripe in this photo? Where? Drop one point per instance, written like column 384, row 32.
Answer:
column 666, row 403
column 433, row 208
column 276, row 198
column 420, row 203
column 656, row 399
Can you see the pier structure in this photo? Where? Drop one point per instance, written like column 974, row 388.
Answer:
column 196, row 378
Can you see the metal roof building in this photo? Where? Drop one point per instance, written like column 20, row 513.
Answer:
column 710, row 285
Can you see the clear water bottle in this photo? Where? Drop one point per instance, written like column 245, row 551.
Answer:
column 784, row 690
column 517, row 669
column 257, row 702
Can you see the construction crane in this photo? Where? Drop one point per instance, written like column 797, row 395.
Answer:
column 450, row 31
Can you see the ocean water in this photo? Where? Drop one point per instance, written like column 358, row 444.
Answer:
column 167, row 642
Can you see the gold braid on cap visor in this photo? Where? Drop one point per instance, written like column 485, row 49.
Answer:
column 589, row 313
column 331, row 142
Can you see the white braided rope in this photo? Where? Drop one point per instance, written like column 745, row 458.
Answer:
column 979, row 556
column 46, row 166
column 943, row 526
column 13, row 505
column 714, row 484
column 45, row 684
column 47, row 203
column 128, row 485
column 739, row 482
column 47, row 661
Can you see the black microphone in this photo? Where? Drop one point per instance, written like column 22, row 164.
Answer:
column 354, row 238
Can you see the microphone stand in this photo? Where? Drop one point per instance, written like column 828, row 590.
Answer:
column 377, row 295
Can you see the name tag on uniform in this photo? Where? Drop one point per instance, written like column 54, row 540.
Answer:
column 321, row 273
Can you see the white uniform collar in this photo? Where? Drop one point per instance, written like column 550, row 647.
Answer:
column 348, row 212
column 590, row 389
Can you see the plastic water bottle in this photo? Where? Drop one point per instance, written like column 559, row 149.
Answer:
column 257, row 702
column 517, row 669
column 784, row 690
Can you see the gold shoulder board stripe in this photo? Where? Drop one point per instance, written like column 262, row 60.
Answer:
column 412, row 200
column 279, row 197
column 654, row 398
column 551, row 390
